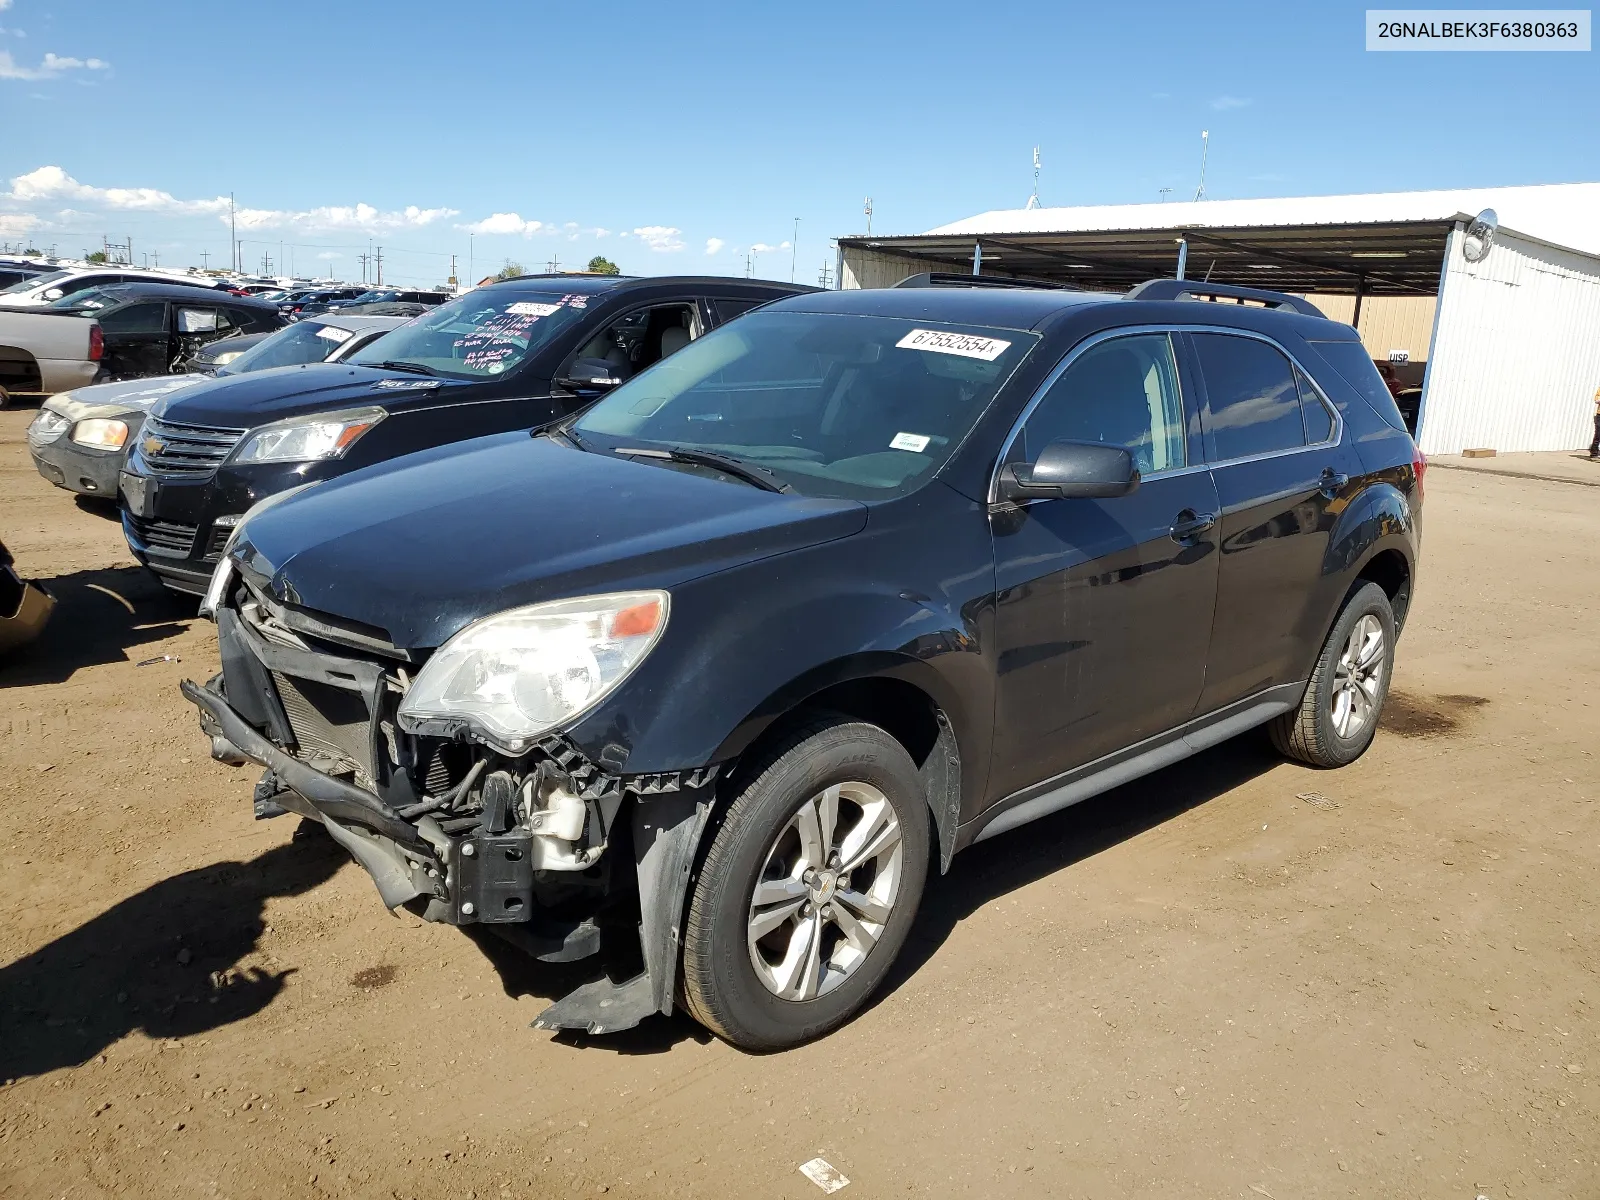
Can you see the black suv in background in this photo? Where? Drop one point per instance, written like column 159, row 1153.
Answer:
column 154, row 328
column 787, row 621
column 515, row 355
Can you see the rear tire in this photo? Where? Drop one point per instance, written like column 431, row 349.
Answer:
column 1338, row 716
column 809, row 888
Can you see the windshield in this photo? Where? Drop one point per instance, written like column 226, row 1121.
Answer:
column 36, row 281
column 478, row 336
column 832, row 405
column 302, row 342
column 374, row 297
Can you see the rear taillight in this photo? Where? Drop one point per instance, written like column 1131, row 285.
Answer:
column 1419, row 467
column 97, row 343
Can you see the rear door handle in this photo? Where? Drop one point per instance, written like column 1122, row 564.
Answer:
column 1191, row 525
column 1332, row 482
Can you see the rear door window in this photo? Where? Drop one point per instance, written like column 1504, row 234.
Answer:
column 727, row 310
column 1314, row 413
column 134, row 318
column 1252, row 401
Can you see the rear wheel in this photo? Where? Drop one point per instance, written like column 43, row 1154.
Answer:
column 809, row 888
column 1338, row 716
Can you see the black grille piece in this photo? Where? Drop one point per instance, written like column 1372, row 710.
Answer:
column 188, row 451
column 164, row 537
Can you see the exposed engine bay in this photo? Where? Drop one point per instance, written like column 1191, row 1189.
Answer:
column 545, row 846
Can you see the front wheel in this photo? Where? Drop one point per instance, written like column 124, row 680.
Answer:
column 1338, row 716
column 809, row 888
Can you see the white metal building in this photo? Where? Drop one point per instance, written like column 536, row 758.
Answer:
column 1507, row 342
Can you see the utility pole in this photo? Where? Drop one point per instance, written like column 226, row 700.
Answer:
column 454, row 282
column 1164, row 192
column 472, row 272
column 233, row 238
column 825, row 276
column 794, row 247
column 204, row 255
column 378, row 259
column 156, row 255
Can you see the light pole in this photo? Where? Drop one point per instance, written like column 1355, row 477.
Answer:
column 794, row 247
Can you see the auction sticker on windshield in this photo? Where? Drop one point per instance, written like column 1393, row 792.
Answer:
column 531, row 308
column 942, row 341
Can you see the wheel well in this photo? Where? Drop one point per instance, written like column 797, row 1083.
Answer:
column 1390, row 571
column 904, row 711
column 19, row 371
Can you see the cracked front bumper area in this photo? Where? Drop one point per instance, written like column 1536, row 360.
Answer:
column 545, row 850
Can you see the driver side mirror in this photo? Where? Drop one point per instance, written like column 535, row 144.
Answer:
column 591, row 375
column 1071, row 470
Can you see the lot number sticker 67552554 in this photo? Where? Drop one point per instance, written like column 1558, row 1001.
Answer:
column 942, row 341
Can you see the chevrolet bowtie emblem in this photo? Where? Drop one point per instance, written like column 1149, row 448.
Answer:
column 153, row 445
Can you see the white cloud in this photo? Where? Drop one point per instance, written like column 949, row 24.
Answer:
column 49, row 68
column 1224, row 103
column 714, row 244
column 763, row 248
column 16, row 224
column 663, row 239
column 330, row 254
column 4, row 4
column 53, row 183
column 16, row 33
column 600, row 232
column 338, row 218
column 503, row 223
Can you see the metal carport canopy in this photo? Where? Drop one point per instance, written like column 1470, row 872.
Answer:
column 1376, row 243
column 1401, row 258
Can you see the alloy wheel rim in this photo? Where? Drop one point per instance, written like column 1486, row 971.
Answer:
column 827, row 887
column 1358, row 678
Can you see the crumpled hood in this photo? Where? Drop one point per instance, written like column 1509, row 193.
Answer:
column 423, row 545
column 114, row 399
column 257, row 398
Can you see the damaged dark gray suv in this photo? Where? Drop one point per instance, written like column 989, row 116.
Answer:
column 721, row 668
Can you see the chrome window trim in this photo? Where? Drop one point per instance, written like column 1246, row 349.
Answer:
column 1106, row 335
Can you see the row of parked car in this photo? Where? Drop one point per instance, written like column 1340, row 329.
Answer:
column 688, row 625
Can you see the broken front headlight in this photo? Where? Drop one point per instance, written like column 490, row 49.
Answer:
column 515, row 676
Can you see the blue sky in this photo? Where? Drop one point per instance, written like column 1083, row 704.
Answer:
column 654, row 132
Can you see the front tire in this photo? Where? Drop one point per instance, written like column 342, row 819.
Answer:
column 1338, row 716
column 809, row 888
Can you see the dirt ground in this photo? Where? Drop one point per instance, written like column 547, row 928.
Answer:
column 1237, row 977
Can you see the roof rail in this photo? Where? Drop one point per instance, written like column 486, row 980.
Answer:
column 956, row 279
column 1187, row 289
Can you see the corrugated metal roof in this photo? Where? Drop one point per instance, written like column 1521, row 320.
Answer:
column 1567, row 214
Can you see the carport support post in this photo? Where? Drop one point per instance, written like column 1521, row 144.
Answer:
column 977, row 258
column 1361, row 287
column 1183, row 256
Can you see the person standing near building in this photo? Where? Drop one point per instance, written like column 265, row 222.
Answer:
column 1594, row 446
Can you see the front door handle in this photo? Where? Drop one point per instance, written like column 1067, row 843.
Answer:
column 1191, row 525
column 1332, row 482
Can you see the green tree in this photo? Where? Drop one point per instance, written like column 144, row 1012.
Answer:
column 601, row 265
column 99, row 256
column 510, row 271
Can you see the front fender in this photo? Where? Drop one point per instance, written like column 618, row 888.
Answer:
column 745, row 645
